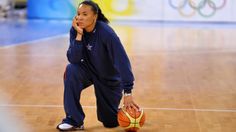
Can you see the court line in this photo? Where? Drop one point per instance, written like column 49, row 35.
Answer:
column 34, row 41
column 145, row 108
column 184, row 52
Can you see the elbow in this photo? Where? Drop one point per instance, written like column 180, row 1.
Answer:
column 73, row 60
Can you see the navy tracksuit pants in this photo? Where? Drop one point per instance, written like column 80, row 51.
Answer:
column 77, row 77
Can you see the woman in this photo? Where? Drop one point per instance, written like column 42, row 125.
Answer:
column 96, row 57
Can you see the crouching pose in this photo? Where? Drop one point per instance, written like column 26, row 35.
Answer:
column 97, row 58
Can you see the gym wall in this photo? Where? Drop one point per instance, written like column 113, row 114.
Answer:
column 148, row 10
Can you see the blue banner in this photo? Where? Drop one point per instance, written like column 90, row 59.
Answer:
column 51, row 9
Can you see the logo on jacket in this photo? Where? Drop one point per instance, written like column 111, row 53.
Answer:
column 89, row 47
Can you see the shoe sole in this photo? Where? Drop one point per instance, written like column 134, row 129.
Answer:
column 70, row 129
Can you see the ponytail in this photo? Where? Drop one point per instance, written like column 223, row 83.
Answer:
column 96, row 9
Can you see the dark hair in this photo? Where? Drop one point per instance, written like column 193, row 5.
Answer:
column 96, row 9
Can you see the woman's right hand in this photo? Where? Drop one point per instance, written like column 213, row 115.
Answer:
column 77, row 28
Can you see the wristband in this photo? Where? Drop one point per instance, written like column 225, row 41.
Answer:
column 127, row 94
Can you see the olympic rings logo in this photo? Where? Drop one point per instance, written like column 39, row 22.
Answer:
column 205, row 8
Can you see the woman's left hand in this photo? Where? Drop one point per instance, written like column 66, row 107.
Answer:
column 129, row 103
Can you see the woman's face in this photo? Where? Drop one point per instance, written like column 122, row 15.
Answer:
column 86, row 16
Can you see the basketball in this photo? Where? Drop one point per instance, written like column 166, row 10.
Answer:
column 131, row 120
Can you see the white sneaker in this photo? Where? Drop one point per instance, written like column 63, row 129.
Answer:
column 69, row 127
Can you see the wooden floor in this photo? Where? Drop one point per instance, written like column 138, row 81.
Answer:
column 185, row 80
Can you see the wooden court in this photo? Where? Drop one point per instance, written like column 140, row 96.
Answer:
column 185, row 80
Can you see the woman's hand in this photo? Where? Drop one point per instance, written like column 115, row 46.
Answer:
column 77, row 28
column 129, row 103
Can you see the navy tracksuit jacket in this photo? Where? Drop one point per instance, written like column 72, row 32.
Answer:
column 98, row 59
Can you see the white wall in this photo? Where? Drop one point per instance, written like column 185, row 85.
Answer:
column 138, row 10
column 162, row 10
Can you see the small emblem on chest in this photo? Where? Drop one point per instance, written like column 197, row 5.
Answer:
column 89, row 47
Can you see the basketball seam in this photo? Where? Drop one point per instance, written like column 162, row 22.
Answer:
column 135, row 124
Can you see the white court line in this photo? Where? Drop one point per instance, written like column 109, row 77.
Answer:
column 34, row 41
column 184, row 52
column 146, row 108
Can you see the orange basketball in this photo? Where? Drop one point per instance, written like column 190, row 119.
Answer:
column 131, row 120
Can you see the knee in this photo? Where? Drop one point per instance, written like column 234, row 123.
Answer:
column 110, row 122
column 70, row 71
column 71, row 68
